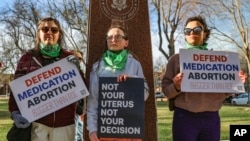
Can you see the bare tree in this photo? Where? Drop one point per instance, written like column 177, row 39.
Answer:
column 18, row 34
column 159, row 64
column 233, row 15
column 233, row 26
column 20, row 19
column 75, row 16
column 170, row 17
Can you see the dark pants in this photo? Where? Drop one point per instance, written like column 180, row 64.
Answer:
column 189, row 126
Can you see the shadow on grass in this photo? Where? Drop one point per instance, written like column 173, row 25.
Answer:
column 4, row 114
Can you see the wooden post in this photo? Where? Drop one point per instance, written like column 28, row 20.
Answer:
column 135, row 14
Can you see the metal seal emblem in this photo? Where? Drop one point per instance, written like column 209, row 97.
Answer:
column 119, row 9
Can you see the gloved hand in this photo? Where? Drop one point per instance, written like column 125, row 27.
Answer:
column 79, row 108
column 20, row 121
column 73, row 59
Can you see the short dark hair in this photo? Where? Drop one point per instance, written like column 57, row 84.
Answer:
column 203, row 22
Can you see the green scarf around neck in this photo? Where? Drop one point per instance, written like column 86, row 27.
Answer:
column 202, row 47
column 115, row 60
column 50, row 50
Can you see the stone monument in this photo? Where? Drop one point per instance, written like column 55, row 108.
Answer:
column 135, row 14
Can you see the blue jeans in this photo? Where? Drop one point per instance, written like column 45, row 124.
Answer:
column 78, row 128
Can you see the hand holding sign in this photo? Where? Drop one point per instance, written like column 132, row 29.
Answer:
column 122, row 78
column 177, row 81
column 73, row 59
column 20, row 121
column 243, row 76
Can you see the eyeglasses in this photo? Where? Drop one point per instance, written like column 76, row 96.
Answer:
column 197, row 30
column 116, row 37
column 54, row 30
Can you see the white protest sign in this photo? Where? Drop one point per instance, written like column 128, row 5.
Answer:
column 48, row 89
column 210, row 71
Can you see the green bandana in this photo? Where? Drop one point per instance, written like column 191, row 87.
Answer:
column 50, row 50
column 202, row 47
column 114, row 60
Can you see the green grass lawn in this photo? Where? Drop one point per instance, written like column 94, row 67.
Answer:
column 229, row 115
column 5, row 121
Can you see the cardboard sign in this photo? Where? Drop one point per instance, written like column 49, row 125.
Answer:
column 48, row 89
column 121, row 109
column 210, row 71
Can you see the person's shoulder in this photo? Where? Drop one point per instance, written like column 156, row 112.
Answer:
column 28, row 54
column 132, row 57
column 66, row 53
column 175, row 56
column 97, row 64
column 174, row 59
